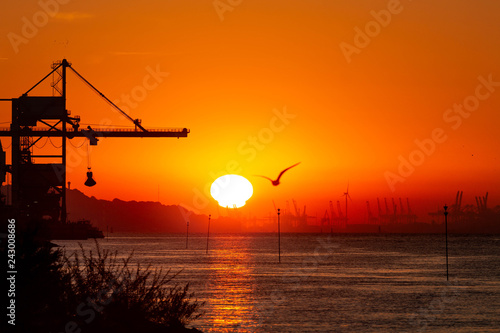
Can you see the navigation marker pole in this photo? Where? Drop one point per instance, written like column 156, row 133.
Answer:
column 446, row 232
column 187, row 234
column 208, row 231
column 279, row 238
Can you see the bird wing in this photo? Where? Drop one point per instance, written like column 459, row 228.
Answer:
column 282, row 172
column 265, row 177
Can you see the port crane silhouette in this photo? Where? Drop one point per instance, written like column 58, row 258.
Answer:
column 39, row 189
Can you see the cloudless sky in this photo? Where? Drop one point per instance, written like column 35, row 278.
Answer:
column 233, row 66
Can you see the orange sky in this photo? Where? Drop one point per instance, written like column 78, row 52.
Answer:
column 231, row 69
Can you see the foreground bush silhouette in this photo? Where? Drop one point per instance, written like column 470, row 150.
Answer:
column 118, row 297
column 97, row 292
column 41, row 290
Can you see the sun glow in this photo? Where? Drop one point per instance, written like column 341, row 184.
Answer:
column 231, row 191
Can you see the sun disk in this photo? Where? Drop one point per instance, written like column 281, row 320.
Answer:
column 231, row 191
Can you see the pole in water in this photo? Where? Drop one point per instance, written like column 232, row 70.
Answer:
column 187, row 234
column 331, row 225
column 208, row 231
column 279, row 238
column 446, row 233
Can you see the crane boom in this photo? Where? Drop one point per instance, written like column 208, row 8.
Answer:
column 101, row 132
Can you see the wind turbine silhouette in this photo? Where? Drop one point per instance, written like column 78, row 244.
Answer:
column 277, row 181
column 346, row 195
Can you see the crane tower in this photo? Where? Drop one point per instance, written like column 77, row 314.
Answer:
column 39, row 189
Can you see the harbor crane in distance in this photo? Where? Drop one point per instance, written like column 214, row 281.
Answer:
column 342, row 220
column 333, row 216
column 371, row 219
column 39, row 189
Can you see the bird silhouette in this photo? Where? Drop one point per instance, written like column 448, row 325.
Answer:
column 277, row 181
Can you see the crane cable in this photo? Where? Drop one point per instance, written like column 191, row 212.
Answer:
column 83, row 142
column 88, row 155
column 43, row 144
column 107, row 99
column 52, row 143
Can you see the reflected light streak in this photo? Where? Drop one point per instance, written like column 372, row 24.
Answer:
column 233, row 297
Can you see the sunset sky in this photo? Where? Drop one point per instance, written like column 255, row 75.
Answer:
column 348, row 88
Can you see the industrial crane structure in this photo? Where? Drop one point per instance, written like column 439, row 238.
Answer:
column 371, row 218
column 39, row 189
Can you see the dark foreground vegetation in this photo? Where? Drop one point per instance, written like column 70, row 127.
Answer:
column 96, row 292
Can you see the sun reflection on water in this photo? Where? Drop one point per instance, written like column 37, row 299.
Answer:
column 231, row 284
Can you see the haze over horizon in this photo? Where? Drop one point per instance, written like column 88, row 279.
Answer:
column 395, row 98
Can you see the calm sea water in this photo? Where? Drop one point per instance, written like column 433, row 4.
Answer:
column 339, row 283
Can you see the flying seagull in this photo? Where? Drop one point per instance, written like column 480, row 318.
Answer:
column 277, row 181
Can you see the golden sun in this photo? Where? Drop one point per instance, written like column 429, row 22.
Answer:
column 231, row 191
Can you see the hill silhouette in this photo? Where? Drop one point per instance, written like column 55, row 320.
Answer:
column 154, row 217
column 132, row 216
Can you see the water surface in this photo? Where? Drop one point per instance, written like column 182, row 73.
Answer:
column 324, row 283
